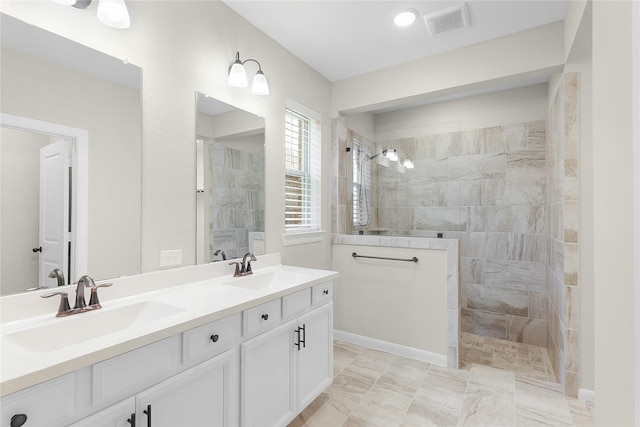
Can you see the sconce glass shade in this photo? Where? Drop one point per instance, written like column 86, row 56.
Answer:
column 259, row 86
column 391, row 154
column 237, row 74
column 408, row 164
column 114, row 13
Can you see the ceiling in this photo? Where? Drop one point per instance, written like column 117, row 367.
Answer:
column 342, row 39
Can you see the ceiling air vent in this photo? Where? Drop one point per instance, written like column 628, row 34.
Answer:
column 447, row 19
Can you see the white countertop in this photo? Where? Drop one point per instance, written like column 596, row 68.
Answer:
column 138, row 310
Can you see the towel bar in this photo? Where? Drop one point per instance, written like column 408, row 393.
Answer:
column 414, row 259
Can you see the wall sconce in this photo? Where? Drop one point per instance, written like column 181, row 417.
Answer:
column 113, row 13
column 238, row 77
column 391, row 154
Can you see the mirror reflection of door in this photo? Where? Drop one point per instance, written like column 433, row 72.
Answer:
column 35, row 210
column 54, row 222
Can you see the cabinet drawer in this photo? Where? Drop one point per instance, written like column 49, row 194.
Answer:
column 262, row 317
column 296, row 303
column 51, row 403
column 322, row 293
column 131, row 372
column 211, row 339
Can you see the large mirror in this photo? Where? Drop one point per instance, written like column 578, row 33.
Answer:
column 70, row 160
column 230, row 181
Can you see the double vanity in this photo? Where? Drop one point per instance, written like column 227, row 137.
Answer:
column 183, row 347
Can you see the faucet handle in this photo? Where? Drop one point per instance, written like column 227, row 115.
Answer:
column 237, row 272
column 64, row 302
column 94, row 294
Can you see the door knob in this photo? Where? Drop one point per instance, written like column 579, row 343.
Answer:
column 38, row 249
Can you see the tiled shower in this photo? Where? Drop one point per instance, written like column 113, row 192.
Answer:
column 509, row 193
column 237, row 198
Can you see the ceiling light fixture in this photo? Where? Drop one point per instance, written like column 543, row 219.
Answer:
column 405, row 18
column 238, row 77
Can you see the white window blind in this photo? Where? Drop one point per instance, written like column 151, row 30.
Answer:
column 302, row 169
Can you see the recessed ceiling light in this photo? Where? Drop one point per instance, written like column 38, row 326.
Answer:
column 405, row 18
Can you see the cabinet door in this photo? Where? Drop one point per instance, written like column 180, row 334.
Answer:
column 119, row 415
column 204, row 395
column 267, row 380
column 315, row 358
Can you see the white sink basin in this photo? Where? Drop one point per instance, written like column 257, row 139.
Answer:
column 75, row 329
column 267, row 279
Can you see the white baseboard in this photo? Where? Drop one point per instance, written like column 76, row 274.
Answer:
column 585, row 395
column 400, row 350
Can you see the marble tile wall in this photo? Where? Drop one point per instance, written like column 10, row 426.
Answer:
column 562, row 233
column 236, row 199
column 486, row 187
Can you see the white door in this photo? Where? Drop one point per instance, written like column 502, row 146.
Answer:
column 315, row 359
column 205, row 395
column 54, row 210
column 267, row 396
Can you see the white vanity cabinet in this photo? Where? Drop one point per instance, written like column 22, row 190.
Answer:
column 315, row 358
column 287, row 367
column 267, row 390
column 48, row 404
column 256, row 367
column 204, row 395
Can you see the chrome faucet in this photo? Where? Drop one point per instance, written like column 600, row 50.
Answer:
column 81, row 306
column 84, row 282
column 57, row 274
column 246, row 264
column 243, row 268
column 221, row 253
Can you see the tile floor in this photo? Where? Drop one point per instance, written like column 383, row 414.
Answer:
column 373, row 388
column 521, row 359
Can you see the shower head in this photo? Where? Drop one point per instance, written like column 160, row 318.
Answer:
column 389, row 153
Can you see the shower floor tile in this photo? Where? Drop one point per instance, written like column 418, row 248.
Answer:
column 523, row 360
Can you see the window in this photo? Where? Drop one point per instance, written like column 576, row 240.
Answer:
column 302, row 169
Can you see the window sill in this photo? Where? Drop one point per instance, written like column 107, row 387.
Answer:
column 303, row 238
